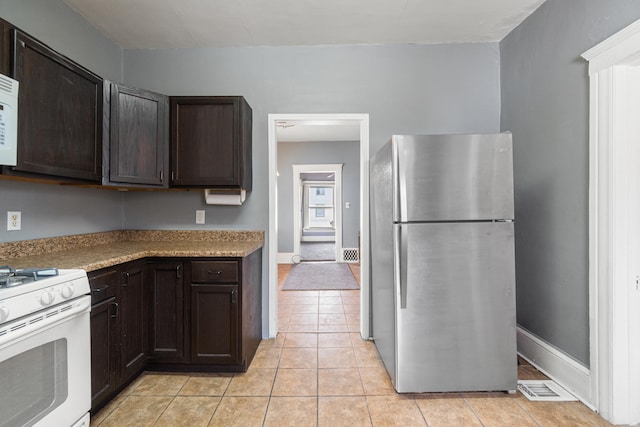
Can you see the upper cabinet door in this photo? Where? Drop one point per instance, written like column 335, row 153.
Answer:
column 59, row 113
column 5, row 47
column 139, row 137
column 211, row 142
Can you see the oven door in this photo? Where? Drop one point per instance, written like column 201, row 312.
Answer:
column 45, row 367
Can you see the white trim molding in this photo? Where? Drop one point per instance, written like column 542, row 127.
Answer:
column 615, row 50
column 614, row 214
column 564, row 370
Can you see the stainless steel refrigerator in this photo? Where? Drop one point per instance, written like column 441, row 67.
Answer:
column 443, row 273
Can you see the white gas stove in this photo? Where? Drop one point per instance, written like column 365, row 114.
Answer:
column 27, row 291
column 45, row 347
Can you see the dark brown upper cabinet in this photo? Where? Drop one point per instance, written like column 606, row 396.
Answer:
column 211, row 142
column 136, row 137
column 59, row 114
column 5, row 47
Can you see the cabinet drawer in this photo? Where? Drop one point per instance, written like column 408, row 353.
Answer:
column 214, row 271
column 103, row 285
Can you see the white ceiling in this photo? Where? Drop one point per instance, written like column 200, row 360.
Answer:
column 157, row 24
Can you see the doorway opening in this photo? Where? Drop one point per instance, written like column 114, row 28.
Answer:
column 314, row 212
column 317, row 213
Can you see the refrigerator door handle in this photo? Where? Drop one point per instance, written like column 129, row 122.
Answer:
column 401, row 264
column 399, row 186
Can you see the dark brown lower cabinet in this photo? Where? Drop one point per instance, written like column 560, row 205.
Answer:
column 166, row 312
column 119, row 322
column 214, row 324
column 104, row 335
column 103, row 354
column 226, row 310
column 134, row 346
column 170, row 314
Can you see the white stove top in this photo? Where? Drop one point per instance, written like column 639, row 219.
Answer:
column 21, row 300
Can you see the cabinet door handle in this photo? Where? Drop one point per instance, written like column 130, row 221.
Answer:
column 100, row 289
column 126, row 278
column 161, row 176
column 173, row 176
column 116, row 312
column 234, row 296
column 178, row 271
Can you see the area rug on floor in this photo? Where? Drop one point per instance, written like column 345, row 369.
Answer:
column 320, row 276
column 317, row 251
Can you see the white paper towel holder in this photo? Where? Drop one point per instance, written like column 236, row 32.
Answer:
column 213, row 196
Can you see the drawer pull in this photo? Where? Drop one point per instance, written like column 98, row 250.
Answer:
column 215, row 272
column 100, row 289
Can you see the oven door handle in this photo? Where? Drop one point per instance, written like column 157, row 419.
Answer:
column 38, row 322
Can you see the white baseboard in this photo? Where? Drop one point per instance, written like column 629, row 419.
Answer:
column 561, row 368
column 326, row 239
column 284, row 258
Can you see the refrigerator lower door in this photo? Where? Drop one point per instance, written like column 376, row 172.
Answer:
column 455, row 307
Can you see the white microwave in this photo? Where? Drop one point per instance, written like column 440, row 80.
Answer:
column 8, row 121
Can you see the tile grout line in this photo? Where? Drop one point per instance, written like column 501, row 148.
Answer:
column 424, row 418
column 220, row 401
column 473, row 411
column 318, row 383
column 170, row 402
column 526, row 411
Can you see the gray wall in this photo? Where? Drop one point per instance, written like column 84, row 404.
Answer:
column 403, row 88
column 51, row 210
column 545, row 103
column 306, row 153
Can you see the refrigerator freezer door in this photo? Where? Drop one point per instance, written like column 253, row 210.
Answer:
column 453, row 177
column 458, row 330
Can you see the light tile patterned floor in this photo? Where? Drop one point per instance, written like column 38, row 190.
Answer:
column 318, row 372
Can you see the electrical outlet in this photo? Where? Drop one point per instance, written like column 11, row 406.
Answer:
column 14, row 220
column 199, row 216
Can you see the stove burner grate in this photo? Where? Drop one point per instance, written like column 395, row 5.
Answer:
column 10, row 277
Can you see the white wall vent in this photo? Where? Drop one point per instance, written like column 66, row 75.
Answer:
column 544, row 390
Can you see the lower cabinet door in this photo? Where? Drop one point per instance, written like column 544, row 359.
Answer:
column 214, row 324
column 103, row 360
column 133, row 322
column 166, row 340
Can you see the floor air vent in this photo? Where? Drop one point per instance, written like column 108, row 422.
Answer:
column 544, row 390
column 350, row 254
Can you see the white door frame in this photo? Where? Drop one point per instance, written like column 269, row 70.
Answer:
column 614, row 214
column 336, row 169
column 363, row 121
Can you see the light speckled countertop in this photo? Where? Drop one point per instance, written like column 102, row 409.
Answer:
column 99, row 250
